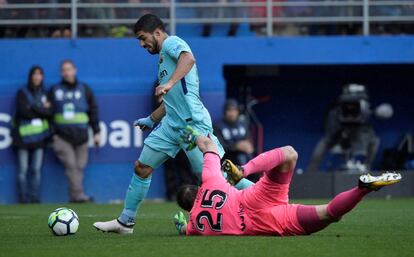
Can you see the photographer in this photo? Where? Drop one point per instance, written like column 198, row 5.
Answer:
column 349, row 132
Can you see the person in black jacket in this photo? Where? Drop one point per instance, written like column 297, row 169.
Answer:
column 234, row 135
column 74, row 110
column 31, row 134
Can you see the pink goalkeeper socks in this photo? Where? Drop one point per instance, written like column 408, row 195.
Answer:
column 264, row 162
column 346, row 201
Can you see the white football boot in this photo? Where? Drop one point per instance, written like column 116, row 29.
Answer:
column 377, row 182
column 114, row 226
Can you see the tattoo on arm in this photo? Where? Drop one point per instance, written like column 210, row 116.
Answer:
column 206, row 145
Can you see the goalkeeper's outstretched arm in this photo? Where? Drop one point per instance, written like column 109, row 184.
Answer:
column 183, row 230
column 180, row 223
column 206, row 145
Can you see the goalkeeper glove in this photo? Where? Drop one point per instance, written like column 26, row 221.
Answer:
column 179, row 221
column 189, row 136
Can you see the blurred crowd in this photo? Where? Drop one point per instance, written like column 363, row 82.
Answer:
column 224, row 11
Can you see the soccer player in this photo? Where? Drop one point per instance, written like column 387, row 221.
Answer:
column 216, row 208
column 181, row 106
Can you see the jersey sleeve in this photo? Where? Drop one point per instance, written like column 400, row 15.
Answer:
column 211, row 167
column 189, row 231
column 175, row 46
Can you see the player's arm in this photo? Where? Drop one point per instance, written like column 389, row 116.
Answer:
column 149, row 122
column 185, row 63
column 211, row 167
column 158, row 114
column 206, row 145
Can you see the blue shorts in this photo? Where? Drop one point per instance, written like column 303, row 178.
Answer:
column 164, row 142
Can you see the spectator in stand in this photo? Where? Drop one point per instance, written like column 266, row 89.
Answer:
column 30, row 134
column 233, row 134
column 75, row 109
column 3, row 15
column 61, row 33
column 223, row 10
column 261, row 12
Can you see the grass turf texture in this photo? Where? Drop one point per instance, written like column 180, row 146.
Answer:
column 377, row 227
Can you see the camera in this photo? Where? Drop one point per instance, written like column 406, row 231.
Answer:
column 354, row 105
column 349, row 132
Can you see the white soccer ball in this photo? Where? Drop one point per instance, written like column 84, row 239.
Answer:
column 63, row 221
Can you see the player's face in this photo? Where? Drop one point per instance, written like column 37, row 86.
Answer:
column 148, row 41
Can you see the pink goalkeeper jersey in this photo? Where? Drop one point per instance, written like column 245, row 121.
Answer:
column 217, row 209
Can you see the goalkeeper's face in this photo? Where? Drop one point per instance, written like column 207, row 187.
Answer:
column 149, row 41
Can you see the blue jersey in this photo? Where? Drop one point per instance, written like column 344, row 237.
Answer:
column 182, row 103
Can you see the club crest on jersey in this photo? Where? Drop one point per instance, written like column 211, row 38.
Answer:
column 161, row 59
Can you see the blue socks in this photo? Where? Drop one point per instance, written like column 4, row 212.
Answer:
column 243, row 184
column 137, row 191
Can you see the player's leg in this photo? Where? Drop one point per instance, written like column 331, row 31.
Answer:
column 264, row 162
column 140, row 183
column 196, row 159
column 195, row 156
column 136, row 193
column 157, row 149
column 273, row 188
column 315, row 218
column 243, row 182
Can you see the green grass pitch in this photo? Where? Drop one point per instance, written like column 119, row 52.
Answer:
column 375, row 228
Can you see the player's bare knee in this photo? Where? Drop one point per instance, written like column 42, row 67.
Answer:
column 142, row 170
column 290, row 153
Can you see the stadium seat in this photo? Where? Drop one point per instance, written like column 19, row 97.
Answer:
column 189, row 30
column 220, row 30
column 244, row 30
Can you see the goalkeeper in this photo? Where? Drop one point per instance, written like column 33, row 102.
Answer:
column 217, row 208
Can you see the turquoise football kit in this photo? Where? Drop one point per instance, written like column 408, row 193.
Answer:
column 183, row 107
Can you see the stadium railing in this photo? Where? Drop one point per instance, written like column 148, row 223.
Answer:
column 266, row 15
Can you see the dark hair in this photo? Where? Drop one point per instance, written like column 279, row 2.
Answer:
column 32, row 70
column 186, row 196
column 67, row 61
column 149, row 23
column 231, row 103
